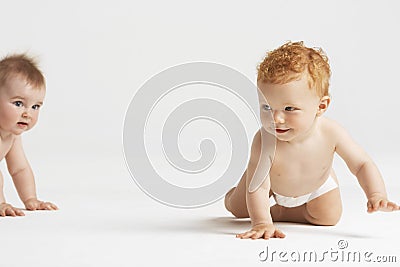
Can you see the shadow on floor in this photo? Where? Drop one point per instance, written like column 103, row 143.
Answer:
column 233, row 226
column 223, row 226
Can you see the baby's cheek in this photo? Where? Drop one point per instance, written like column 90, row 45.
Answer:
column 267, row 121
column 268, row 128
column 33, row 123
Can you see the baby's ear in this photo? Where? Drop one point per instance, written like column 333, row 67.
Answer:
column 323, row 105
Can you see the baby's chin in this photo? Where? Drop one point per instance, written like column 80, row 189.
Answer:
column 20, row 132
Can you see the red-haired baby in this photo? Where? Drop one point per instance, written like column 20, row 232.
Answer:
column 292, row 154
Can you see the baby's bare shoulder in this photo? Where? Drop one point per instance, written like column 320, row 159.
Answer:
column 6, row 144
column 330, row 126
column 333, row 131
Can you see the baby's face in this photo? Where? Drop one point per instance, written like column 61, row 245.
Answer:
column 19, row 105
column 288, row 111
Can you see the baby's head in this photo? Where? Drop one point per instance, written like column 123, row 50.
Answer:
column 22, row 91
column 293, row 83
column 292, row 60
column 22, row 67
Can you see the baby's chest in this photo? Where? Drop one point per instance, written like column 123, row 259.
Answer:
column 308, row 162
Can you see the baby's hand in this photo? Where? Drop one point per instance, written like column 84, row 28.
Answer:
column 380, row 203
column 35, row 204
column 8, row 210
column 262, row 231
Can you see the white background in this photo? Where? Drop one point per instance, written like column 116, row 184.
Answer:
column 96, row 54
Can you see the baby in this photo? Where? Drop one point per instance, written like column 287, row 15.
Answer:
column 291, row 155
column 22, row 91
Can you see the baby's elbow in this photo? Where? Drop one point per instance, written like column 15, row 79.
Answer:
column 361, row 167
column 16, row 172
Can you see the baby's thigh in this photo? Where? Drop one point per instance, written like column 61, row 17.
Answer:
column 235, row 199
column 325, row 209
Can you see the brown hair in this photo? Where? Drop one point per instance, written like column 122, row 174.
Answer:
column 26, row 67
column 290, row 61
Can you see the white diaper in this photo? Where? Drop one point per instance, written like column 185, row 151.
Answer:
column 291, row 202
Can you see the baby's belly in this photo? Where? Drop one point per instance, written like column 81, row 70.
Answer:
column 294, row 185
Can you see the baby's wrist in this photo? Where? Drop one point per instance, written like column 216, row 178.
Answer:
column 254, row 224
column 29, row 200
column 377, row 195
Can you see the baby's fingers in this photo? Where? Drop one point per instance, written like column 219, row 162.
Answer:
column 390, row 206
column 44, row 206
column 393, row 206
column 373, row 206
column 246, row 235
column 19, row 212
column 10, row 211
column 31, row 206
column 47, row 206
column 382, row 205
column 53, row 206
column 279, row 234
column 268, row 234
column 369, row 207
column 2, row 212
column 261, row 234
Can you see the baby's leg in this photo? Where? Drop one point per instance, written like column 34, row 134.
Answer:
column 323, row 210
column 327, row 208
column 235, row 199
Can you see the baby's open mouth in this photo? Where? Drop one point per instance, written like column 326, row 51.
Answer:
column 22, row 123
column 281, row 130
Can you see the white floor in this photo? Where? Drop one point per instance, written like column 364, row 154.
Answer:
column 105, row 220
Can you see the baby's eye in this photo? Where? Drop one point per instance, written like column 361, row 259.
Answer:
column 266, row 107
column 290, row 108
column 18, row 104
column 35, row 107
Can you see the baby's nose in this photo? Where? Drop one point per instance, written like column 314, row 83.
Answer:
column 278, row 117
column 25, row 114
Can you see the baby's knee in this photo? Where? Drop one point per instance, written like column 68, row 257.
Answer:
column 325, row 218
column 327, row 221
column 236, row 211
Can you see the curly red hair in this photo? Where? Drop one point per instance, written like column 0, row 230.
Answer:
column 290, row 61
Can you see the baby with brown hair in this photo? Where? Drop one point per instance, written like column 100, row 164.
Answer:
column 22, row 92
column 292, row 154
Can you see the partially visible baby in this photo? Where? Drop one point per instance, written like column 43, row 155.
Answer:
column 22, row 91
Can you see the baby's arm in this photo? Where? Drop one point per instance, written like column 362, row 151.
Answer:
column 258, row 204
column 23, row 178
column 5, row 208
column 367, row 173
